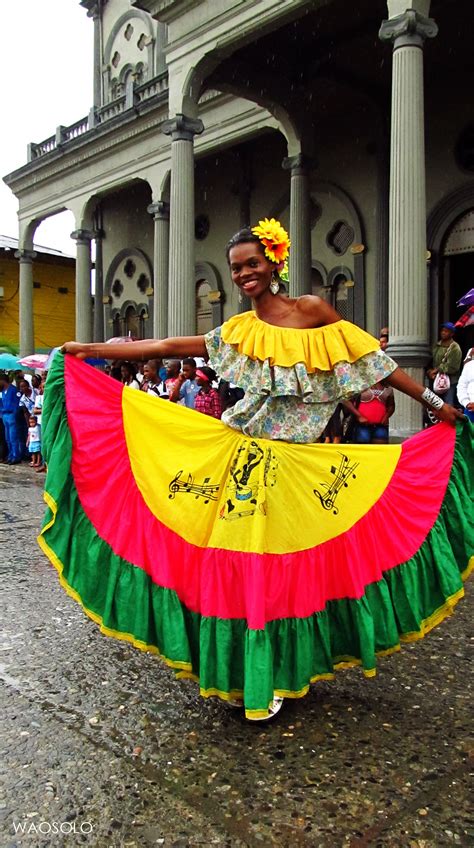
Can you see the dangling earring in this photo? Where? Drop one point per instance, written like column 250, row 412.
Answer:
column 239, row 297
column 275, row 284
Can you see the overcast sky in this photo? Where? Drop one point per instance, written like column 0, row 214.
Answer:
column 46, row 65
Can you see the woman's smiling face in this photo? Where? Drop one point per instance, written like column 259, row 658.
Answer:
column 250, row 269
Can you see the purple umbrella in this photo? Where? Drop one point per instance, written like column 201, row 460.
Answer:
column 467, row 299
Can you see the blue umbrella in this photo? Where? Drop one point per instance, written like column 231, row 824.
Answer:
column 92, row 360
column 8, row 362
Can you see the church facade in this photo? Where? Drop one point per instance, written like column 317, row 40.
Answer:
column 353, row 127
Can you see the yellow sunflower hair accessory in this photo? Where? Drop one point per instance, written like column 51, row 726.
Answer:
column 274, row 238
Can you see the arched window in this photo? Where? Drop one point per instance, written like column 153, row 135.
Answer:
column 117, row 325
column 142, row 320
column 343, row 295
column 203, row 308
column 132, row 322
column 319, row 284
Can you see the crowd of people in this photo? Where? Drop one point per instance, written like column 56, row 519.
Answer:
column 186, row 383
column 21, row 406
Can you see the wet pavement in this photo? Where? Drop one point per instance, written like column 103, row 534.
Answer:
column 104, row 747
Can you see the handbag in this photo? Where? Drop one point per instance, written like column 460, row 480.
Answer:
column 441, row 384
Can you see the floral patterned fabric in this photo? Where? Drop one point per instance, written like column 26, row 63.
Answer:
column 288, row 403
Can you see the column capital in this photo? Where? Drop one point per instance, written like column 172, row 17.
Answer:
column 92, row 7
column 25, row 255
column 182, row 128
column 299, row 164
column 83, row 236
column 411, row 28
column 160, row 210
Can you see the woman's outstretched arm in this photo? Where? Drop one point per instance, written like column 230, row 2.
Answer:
column 146, row 349
column 401, row 381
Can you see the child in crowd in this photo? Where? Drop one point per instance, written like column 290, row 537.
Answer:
column 33, row 442
column 207, row 399
column 37, row 412
column 173, row 369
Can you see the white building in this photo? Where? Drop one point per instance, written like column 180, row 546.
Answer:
column 209, row 114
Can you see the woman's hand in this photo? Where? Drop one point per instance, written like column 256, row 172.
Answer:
column 401, row 381
column 470, row 406
column 448, row 414
column 76, row 349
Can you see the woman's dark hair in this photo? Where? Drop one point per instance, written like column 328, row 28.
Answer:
column 209, row 372
column 130, row 368
column 243, row 236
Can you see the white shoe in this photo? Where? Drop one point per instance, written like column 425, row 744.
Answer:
column 273, row 709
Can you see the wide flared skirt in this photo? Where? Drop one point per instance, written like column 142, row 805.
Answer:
column 255, row 567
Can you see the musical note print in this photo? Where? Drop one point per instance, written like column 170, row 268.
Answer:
column 246, row 489
column 204, row 490
column 342, row 474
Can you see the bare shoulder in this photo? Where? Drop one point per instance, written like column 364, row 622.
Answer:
column 316, row 310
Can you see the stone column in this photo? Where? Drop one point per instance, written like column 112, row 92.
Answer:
column 408, row 288
column 27, row 333
column 382, row 224
column 181, row 293
column 83, row 285
column 99, row 288
column 300, row 225
column 161, row 217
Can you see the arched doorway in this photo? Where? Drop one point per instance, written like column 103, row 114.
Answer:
column 209, row 298
column 451, row 269
column 458, row 255
column 458, row 271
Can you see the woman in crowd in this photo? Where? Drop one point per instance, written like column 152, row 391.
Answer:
column 129, row 375
column 372, row 410
column 255, row 563
column 207, row 399
column 446, row 362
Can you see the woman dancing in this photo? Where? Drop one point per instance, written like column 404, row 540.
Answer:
column 242, row 552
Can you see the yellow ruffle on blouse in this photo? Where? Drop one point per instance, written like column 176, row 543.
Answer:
column 320, row 348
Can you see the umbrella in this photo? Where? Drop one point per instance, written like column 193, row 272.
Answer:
column 36, row 360
column 52, row 353
column 121, row 340
column 467, row 299
column 467, row 319
column 8, row 362
column 92, row 360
